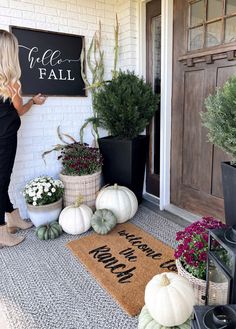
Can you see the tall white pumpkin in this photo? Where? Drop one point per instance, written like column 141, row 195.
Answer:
column 169, row 298
column 76, row 219
column 120, row 200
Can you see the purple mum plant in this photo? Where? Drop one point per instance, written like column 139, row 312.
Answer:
column 77, row 158
column 80, row 159
column 193, row 245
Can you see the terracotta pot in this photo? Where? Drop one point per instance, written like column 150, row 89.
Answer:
column 45, row 214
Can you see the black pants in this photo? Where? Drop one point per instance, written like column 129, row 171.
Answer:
column 7, row 157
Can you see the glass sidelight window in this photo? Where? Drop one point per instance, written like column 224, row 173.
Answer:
column 211, row 23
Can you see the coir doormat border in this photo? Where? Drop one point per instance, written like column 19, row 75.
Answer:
column 124, row 261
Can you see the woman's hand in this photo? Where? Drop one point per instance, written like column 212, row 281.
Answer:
column 39, row 99
column 17, row 101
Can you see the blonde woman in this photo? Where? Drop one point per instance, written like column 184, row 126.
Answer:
column 11, row 108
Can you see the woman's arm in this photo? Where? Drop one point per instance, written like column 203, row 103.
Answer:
column 18, row 101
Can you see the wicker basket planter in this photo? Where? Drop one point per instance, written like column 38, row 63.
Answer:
column 87, row 186
column 218, row 292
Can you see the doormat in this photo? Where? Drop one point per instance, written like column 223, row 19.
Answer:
column 123, row 261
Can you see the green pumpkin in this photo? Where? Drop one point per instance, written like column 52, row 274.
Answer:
column 147, row 322
column 50, row 231
column 103, row 221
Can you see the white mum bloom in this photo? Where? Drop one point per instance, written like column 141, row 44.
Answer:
column 34, row 203
column 35, row 198
column 49, row 193
column 53, row 189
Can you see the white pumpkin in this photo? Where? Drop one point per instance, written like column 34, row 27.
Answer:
column 169, row 298
column 120, row 200
column 76, row 219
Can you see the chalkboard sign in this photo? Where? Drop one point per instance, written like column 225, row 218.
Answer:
column 50, row 62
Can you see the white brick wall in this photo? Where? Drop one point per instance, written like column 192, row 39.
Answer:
column 128, row 17
column 81, row 17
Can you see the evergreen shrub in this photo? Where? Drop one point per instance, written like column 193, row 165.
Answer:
column 125, row 105
column 220, row 117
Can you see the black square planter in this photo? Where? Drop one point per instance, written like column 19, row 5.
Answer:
column 229, row 191
column 124, row 162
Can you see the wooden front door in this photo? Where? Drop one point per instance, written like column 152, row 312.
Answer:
column 204, row 52
column 153, row 65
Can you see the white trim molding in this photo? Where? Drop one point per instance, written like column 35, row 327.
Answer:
column 166, row 89
column 166, row 100
column 182, row 213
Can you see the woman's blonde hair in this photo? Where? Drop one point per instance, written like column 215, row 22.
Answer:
column 10, row 71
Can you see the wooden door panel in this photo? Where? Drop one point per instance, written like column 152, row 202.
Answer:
column 206, row 147
column 196, row 163
column 201, row 203
column 194, row 97
column 224, row 73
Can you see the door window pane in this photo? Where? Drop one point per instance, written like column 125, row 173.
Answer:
column 197, row 13
column 218, row 285
column 213, row 34
column 211, row 23
column 196, row 38
column 156, row 50
column 230, row 29
column 156, row 82
column 214, row 9
column 230, row 7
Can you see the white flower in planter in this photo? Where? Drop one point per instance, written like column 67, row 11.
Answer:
column 43, row 190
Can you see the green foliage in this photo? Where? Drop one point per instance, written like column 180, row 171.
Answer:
column 220, row 117
column 95, row 62
column 77, row 158
column 125, row 105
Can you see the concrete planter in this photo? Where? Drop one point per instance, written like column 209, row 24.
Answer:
column 45, row 214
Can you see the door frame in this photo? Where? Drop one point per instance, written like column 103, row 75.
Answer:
column 167, row 7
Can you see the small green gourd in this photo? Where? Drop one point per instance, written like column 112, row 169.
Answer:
column 103, row 221
column 147, row 322
column 49, row 231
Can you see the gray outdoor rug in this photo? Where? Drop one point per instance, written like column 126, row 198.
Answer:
column 43, row 286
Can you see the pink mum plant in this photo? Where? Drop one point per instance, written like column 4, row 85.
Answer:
column 193, row 245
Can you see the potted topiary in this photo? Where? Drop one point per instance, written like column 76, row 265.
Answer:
column 220, row 120
column 125, row 105
column 81, row 170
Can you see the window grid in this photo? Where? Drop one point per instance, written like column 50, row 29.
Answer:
column 202, row 41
